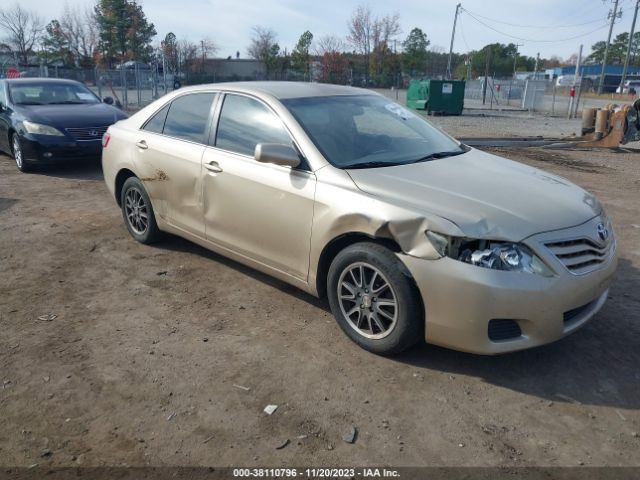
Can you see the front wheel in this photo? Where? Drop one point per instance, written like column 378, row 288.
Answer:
column 374, row 299
column 138, row 213
column 18, row 155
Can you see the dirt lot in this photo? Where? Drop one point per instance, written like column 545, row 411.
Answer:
column 143, row 362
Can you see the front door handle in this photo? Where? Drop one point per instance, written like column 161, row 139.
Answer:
column 142, row 144
column 213, row 167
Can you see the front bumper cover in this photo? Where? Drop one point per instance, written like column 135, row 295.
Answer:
column 460, row 299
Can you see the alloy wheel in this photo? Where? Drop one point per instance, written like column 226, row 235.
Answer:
column 17, row 151
column 367, row 300
column 136, row 211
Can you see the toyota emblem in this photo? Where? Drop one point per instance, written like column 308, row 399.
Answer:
column 603, row 232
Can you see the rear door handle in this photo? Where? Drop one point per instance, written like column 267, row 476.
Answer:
column 142, row 144
column 213, row 167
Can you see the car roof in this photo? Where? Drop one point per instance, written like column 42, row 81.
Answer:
column 40, row 80
column 284, row 90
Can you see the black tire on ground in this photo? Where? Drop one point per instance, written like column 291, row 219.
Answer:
column 408, row 328
column 137, row 212
column 16, row 151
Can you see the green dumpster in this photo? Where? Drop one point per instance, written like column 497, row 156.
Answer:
column 444, row 97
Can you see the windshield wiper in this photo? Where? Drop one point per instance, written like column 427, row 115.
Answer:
column 29, row 103
column 437, row 155
column 67, row 102
column 371, row 165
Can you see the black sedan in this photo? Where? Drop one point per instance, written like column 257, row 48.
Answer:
column 44, row 120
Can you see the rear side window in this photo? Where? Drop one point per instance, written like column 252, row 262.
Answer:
column 156, row 124
column 245, row 122
column 188, row 117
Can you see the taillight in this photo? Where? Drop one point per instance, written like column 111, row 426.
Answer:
column 105, row 140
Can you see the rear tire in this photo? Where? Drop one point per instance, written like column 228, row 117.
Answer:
column 137, row 212
column 374, row 299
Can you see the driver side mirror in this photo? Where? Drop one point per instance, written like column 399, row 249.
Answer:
column 277, row 154
column 108, row 100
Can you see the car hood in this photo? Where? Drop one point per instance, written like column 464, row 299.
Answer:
column 484, row 195
column 69, row 116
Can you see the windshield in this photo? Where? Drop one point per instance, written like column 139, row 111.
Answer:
column 51, row 93
column 366, row 131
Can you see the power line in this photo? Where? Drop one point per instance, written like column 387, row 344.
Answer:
column 464, row 39
column 533, row 40
column 534, row 26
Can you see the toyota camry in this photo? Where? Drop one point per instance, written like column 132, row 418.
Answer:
column 341, row 192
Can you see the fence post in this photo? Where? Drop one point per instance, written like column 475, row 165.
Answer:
column 137, row 73
column 123, row 84
column 96, row 76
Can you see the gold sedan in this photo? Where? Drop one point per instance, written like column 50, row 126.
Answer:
column 342, row 192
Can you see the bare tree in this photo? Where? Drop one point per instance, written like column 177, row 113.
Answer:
column 383, row 32
column 187, row 53
column 369, row 34
column 360, row 27
column 81, row 31
column 22, row 29
column 328, row 44
column 264, row 47
column 262, row 42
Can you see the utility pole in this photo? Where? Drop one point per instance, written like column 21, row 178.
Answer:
column 535, row 68
column 486, row 74
column 515, row 58
column 575, row 80
column 606, row 50
column 626, row 60
column 453, row 35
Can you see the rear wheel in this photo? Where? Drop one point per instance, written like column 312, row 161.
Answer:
column 138, row 213
column 374, row 299
column 18, row 155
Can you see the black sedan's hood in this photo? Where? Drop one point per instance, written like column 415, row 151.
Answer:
column 69, row 116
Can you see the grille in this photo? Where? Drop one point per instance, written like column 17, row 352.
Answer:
column 581, row 255
column 574, row 314
column 87, row 133
column 503, row 330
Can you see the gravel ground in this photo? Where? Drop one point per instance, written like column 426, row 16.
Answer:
column 167, row 355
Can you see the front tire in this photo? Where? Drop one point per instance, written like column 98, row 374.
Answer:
column 137, row 212
column 374, row 299
column 18, row 154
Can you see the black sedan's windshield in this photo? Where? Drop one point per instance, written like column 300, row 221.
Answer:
column 367, row 131
column 51, row 93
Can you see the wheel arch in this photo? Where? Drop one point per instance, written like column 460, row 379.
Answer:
column 121, row 177
column 339, row 243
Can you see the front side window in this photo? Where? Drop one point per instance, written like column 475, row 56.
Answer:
column 245, row 122
column 188, row 117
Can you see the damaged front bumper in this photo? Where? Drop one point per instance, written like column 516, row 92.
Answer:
column 484, row 311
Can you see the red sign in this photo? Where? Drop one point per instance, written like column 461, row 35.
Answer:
column 13, row 73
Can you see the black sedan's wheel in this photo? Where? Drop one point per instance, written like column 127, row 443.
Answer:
column 138, row 213
column 18, row 155
column 374, row 300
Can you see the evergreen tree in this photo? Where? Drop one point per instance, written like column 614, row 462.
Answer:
column 125, row 33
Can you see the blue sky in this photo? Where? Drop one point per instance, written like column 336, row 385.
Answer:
column 228, row 22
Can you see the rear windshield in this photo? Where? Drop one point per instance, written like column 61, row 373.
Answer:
column 50, row 93
column 367, row 131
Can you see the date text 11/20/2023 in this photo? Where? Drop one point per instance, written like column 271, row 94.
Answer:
column 315, row 473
